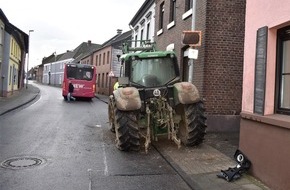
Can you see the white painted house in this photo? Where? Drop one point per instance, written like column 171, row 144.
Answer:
column 143, row 23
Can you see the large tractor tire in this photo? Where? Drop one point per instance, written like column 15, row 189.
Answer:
column 111, row 114
column 192, row 127
column 127, row 131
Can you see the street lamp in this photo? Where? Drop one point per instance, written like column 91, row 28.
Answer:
column 28, row 58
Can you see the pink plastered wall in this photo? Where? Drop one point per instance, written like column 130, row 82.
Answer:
column 259, row 13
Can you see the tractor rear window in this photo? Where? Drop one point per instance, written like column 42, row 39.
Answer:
column 153, row 72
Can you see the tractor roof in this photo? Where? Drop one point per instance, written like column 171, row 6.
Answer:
column 144, row 55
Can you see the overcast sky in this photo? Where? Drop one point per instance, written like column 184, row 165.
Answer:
column 61, row 25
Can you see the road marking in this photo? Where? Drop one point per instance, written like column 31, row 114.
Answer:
column 105, row 160
column 90, row 179
column 104, row 156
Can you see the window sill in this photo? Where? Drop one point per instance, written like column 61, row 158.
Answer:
column 187, row 14
column 274, row 119
column 159, row 32
column 170, row 25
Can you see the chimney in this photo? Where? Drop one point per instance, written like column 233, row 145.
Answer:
column 89, row 42
column 119, row 31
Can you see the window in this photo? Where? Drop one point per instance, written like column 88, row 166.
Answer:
column 148, row 31
column 161, row 15
column 141, row 34
column 188, row 5
column 172, row 11
column 107, row 80
column 60, row 79
column 136, row 38
column 103, row 79
column 100, row 59
column 108, row 57
column 99, row 80
column 1, row 35
column 283, row 71
column 1, row 43
column 146, row 72
column 97, row 60
column 104, row 56
column 10, row 78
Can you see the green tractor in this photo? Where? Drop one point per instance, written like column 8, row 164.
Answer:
column 151, row 101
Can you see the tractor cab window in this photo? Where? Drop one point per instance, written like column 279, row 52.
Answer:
column 153, row 71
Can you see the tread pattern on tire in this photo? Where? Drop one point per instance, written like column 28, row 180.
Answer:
column 196, row 126
column 127, row 131
column 111, row 106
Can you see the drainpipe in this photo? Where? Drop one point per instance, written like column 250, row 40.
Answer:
column 190, row 61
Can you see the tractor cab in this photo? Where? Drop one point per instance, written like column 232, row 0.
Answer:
column 144, row 67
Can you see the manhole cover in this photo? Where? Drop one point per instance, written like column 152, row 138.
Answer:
column 22, row 162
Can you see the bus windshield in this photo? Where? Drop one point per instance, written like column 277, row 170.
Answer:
column 80, row 73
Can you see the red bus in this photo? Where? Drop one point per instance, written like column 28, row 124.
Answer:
column 83, row 78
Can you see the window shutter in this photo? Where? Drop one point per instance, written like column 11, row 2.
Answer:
column 260, row 70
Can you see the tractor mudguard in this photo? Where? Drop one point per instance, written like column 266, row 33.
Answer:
column 127, row 99
column 185, row 93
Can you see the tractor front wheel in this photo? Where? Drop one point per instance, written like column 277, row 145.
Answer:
column 192, row 127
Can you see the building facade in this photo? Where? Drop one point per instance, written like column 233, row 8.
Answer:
column 106, row 61
column 53, row 71
column 143, row 23
column 13, row 49
column 53, row 67
column 265, row 117
column 217, row 72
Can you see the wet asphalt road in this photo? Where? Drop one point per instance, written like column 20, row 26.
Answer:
column 53, row 144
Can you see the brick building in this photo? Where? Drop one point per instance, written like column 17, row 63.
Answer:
column 105, row 59
column 218, row 71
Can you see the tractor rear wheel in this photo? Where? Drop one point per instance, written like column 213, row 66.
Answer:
column 127, row 131
column 192, row 127
column 111, row 114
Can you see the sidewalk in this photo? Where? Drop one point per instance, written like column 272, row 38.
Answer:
column 198, row 167
column 18, row 99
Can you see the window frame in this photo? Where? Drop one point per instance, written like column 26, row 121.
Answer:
column 97, row 59
column 100, row 59
column 161, row 15
column 104, row 58
column 188, row 5
column 172, row 14
column 283, row 35
column 108, row 57
column 147, row 30
column 141, row 34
